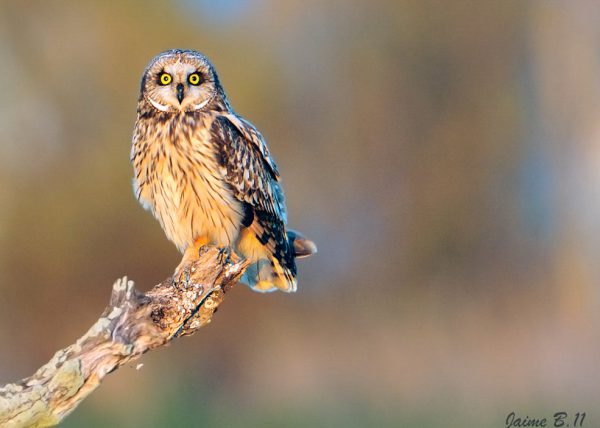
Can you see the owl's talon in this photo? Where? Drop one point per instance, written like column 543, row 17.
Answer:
column 203, row 249
column 181, row 275
column 224, row 254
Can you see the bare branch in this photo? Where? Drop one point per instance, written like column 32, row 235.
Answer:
column 132, row 324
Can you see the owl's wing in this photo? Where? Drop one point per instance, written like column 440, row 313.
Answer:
column 254, row 137
column 248, row 166
column 249, row 169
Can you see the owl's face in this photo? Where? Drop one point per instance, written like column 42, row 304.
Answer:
column 180, row 80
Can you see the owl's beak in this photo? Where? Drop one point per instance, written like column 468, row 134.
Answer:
column 180, row 92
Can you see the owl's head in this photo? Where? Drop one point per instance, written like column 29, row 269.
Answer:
column 181, row 80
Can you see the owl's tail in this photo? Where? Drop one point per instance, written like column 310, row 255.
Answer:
column 266, row 275
column 269, row 273
column 303, row 247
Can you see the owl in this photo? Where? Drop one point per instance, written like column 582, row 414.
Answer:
column 206, row 173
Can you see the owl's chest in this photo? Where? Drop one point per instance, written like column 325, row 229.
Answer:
column 188, row 194
column 187, row 178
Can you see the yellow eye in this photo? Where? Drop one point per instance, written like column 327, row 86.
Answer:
column 165, row 79
column 194, row 79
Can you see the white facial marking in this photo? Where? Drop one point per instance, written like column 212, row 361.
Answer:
column 202, row 104
column 158, row 106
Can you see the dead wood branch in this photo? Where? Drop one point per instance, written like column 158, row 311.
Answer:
column 132, row 324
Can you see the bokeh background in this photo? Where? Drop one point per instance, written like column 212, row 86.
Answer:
column 445, row 156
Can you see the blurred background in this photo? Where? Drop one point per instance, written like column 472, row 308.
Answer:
column 445, row 156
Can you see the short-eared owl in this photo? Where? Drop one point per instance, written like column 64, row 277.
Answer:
column 207, row 174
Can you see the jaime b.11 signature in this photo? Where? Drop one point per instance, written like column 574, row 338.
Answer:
column 558, row 419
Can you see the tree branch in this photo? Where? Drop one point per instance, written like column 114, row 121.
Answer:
column 132, row 324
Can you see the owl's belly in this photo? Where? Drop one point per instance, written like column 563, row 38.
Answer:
column 195, row 203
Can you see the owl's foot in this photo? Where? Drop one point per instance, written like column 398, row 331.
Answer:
column 225, row 254
column 192, row 253
column 181, row 273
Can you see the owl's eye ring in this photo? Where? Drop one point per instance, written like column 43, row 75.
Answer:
column 194, row 79
column 165, row 79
